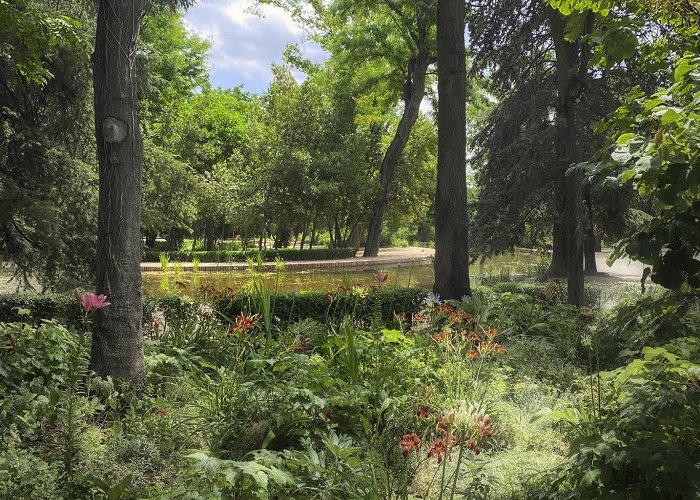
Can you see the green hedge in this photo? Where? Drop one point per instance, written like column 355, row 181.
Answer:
column 551, row 291
column 287, row 307
column 287, row 254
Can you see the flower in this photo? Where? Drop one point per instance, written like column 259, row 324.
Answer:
column 161, row 411
column 410, row 442
column 423, row 411
column 328, row 414
column 301, row 345
column 92, row 302
column 381, row 277
column 329, row 297
column 472, row 354
column 438, row 449
column 157, row 321
column 244, row 324
column 205, row 310
column 432, row 300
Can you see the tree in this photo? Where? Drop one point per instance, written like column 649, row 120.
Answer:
column 451, row 215
column 47, row 182
column 117, row 345
column 652, row 144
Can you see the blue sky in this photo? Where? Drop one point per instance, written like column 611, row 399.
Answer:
column 244, row 45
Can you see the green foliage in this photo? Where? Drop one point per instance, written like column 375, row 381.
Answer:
column 640, row 440
column 653, row 148
column 268, row 255
column 325, row 408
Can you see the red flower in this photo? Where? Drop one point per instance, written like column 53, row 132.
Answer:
column 381, row 277
column 491, row 334
column 410, row 442
column 403, row 317
column 92, row 302
column 423, row 411
column 301, row 345
column 328, row 414
column 475, row 449
column 244, row 324
column 418, row 317
column 161, row 411
column 329, row 297
column 472, row 354
column 438, row 449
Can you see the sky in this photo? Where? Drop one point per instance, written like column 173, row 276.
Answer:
column 244, row 45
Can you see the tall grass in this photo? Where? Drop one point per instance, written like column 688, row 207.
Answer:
column 164, row 262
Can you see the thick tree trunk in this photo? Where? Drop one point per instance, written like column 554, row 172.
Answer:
column 451, row 215
column 558, row 266
column 415, row 90
column 570, row 86
column 117, row 343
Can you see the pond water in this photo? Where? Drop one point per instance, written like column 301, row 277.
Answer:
column 421, row 276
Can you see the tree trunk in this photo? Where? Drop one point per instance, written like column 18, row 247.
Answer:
column 338, row 233
column 117, row 342
column 569, row 88
column 313, row 234
column 558, row 266
column 415, row 90
column 303, row 235
column 451, row 216
column 151, row 239
column 209, row 239
column 589, row 240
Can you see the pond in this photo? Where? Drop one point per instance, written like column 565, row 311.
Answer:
column 506, row 267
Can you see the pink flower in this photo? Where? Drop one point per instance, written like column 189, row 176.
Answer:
column 381, row 277
column 92, row 302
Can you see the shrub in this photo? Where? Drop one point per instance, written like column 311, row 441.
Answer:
column 641, row 442
column 288, row 307
column 287, row 254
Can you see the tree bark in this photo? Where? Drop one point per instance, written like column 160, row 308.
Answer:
column 451, row 215
column 558, row 266
column 569, row 89
column 415, row 90
column 117, row 343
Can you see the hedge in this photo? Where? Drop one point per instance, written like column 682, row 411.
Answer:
column 288, row 307
column 287, row 254
column 547, row 291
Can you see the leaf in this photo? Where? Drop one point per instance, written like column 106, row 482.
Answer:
column 544, row 412
column 625, row 138
column 589, row 478
column 116, row 491
column 684, row 67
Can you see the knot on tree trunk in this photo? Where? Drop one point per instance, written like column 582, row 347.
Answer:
column 114, row 130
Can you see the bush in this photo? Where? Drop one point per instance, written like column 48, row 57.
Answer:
column 641, row 442
column 552, row 292
column 287, row 254
column 287, row 307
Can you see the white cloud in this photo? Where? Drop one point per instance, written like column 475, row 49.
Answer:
column 244, row 44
